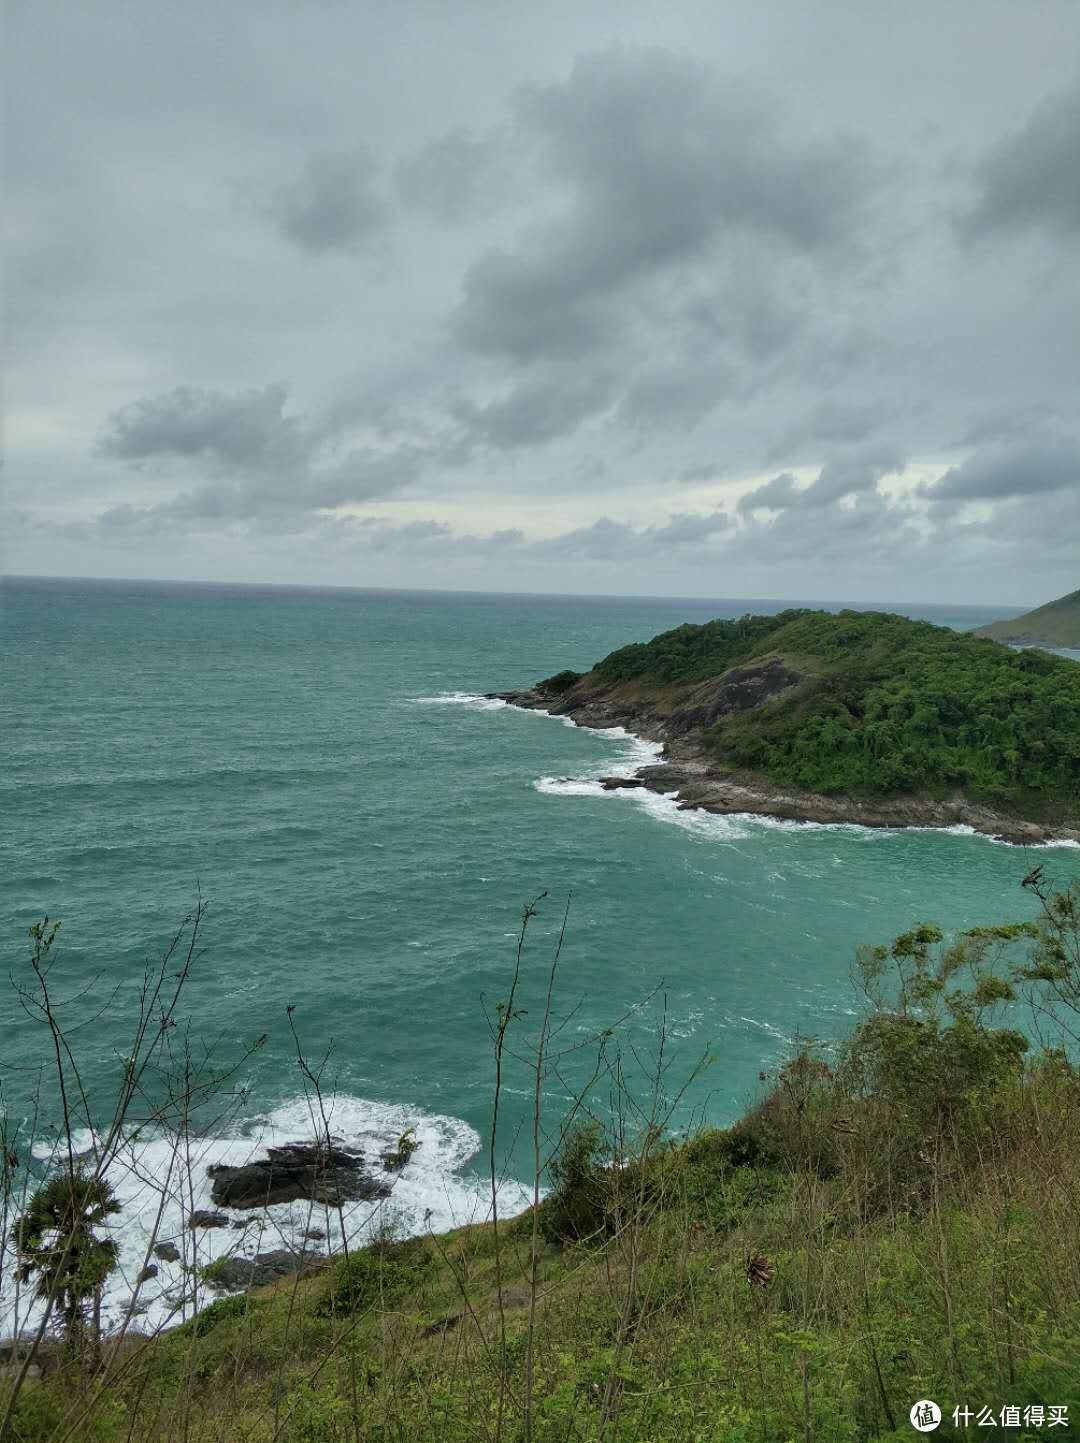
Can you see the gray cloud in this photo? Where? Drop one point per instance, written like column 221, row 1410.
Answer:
column 538, row 408
column 658, row 159
column 840, row 478
column 459, row 176
column 257, row 457
column 333, row 205
column 247, row 431
column 1032, row 177
column 995, row 472
column 610, row 540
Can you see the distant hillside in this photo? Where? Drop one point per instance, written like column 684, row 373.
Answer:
column 852, row 705
column 1055, row 624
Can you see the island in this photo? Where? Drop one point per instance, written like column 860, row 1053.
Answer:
column 1055, row 624
column 855, row 716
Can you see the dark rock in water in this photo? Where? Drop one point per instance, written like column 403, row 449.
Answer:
column 167, row 1252
column 316, row 1235
column 331, row 1174
column 150, row 1271
column 200, row 1218
column 232, row 1275
column 620, row 784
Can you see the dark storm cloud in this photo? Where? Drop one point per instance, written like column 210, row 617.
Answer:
column 996, row 472
column 333, row 205
column 658, row 158
column 1032, row 177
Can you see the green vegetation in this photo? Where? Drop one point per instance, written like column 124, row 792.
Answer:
column 896, row 1218
column 560, row 682
column 57, row 1243
column 885, row 706
column 1055, row 624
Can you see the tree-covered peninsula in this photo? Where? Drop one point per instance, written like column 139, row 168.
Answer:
column 860, row 716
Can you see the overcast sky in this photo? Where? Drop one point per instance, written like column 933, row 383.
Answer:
column 717, row 299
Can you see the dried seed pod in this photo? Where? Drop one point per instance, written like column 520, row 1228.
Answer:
column 759, row 1271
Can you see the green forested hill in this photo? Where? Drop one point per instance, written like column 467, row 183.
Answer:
column 884, row 705
column 1055, row 624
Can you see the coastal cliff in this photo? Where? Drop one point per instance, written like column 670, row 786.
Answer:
column 865, row 718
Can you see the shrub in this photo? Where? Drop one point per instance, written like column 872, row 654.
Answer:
column 560, row 682
column 222, row 1310
column 377, row 1274
column 577, row 1206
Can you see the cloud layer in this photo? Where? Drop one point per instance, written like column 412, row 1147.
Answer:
column 708, row 307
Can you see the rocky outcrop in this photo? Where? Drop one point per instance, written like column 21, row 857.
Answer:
column 234, row 1275
column 332, row 1174
column 678, row 719
column 664, row 717
column 694, row 785
column 201, row 1218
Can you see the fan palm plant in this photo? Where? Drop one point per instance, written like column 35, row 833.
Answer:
column 57, row 1243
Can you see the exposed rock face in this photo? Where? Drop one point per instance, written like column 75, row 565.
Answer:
column 592, row 703
column 234, row 1275
column 332, row 1174
column 167, row 1252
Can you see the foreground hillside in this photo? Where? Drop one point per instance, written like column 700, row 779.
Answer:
column 1055, row 624
column 896, row 1219
column 854, row 716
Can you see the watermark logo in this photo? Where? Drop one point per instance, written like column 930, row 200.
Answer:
column 925, row 1416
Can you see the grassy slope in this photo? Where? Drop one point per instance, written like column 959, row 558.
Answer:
column 889, row 706
column 956, row 1277
column 1055, row 624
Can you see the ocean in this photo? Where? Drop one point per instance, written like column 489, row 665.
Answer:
column 365, row 828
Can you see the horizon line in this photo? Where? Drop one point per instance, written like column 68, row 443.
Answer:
column 473, row 591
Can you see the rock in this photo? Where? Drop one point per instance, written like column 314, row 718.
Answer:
column 167, row 1252
column 232, row 1275
column 150, row 1271
column 316, row 1235
column 298, row 1171
column 12, row 1370
column 621, row 784
column 200, row 1218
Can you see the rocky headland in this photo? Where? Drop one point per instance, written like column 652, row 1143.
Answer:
column 689, row 771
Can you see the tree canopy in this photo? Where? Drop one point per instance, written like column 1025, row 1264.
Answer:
column 887, row 705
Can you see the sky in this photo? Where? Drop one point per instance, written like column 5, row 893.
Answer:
column 708, row 299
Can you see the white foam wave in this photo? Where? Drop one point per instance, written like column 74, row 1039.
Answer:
column 157, row 1191
column 475, row 700
column 724, row 827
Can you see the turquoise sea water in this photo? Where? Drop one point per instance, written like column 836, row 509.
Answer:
column 365, row 829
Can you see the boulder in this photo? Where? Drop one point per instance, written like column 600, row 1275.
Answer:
column 200, row 1218
column 328, row 1173
column 233, row 1275
column 167, row 1252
